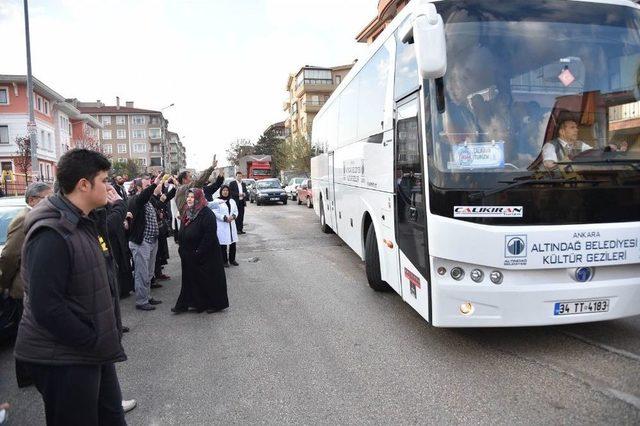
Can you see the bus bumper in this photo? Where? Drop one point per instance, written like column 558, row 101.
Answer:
column 530, row 298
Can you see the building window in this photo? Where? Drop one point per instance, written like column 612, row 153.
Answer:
column 39, row 103
column 46, row 107
column 106, row 119
column 139, row 134
column 122, row 160
column 139, row 147
column 120, row 119
column 141, row 162
column 4, row 96
column 107, row 149
column 338, row 79
column 122, row 134
column 138, row 119
column 4, row 134
column 122, row 148
column 106, row 134
column 156, row 161
column 49, row 142
column 154, row 120
column 154, row 133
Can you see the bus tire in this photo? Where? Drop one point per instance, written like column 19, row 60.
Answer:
column 309, row 202
column 372, row 262
column 323, row 220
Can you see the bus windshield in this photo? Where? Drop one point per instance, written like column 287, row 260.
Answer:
column 547, row 88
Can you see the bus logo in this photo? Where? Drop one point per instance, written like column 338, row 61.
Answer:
column 515, row 246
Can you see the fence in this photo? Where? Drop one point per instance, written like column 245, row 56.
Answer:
column 16, row 187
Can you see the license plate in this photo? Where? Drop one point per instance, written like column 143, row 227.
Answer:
column 275, row 199
column 581, row 307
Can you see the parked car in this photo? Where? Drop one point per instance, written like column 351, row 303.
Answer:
column 249, row 182
column 304, row 193
column 268, row 191
column 253, row 190
column 9, row 208
column 292, row 188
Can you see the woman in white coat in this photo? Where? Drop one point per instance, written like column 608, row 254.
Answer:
column 226, row 212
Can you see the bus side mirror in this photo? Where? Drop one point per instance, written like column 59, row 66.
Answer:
column 427, row 32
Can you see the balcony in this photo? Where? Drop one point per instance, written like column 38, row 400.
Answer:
column 312, row 106
column 311, row 85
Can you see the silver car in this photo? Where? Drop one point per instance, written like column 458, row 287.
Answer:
column 9, row 209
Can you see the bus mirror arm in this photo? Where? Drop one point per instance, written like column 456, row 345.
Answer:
column 430, row 45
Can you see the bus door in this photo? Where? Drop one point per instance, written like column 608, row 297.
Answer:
column 330, row 207
column 410, row 205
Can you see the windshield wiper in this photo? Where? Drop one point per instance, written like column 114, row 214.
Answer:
column 516, row 183
column 635, row 163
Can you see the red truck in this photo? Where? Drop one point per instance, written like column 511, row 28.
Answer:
column 256, row 166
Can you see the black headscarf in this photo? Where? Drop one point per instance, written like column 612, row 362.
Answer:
column 227, row 198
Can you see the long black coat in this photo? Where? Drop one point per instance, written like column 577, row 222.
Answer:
column 204, row 284
column 118, row 241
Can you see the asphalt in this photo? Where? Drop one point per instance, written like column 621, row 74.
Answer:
column 305, row 341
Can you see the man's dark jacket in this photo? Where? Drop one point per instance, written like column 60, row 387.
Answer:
column 137, row 209
column 91, row 294
column 235, row 193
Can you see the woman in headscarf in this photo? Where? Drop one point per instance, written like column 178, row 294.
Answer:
column 226, row 211
column 204, row 285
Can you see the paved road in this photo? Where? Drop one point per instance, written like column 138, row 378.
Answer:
column 306, row 341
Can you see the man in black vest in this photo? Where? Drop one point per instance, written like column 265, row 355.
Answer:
column 69, row 337
column 239, row 194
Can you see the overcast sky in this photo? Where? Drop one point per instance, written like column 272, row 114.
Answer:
column 224, row 63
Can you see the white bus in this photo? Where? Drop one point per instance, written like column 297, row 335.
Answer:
column 483, row 159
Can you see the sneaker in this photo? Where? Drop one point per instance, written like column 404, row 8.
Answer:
column 178, row 311
column 154, row 301
column 226, row 264
column 129, row 404
column 163, row 277
column 146, row 307
column 234, row 263
column 125, row 329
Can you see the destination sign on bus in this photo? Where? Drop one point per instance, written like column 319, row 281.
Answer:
column 486, row 155
column 574, row 250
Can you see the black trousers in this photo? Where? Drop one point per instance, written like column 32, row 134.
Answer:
column 240, row 218
column 79, row 394
column 231, row 257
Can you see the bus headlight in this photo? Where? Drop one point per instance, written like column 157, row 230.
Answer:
column 457, row 273
column 466, row 308
column 496, row 277
column 477, row 275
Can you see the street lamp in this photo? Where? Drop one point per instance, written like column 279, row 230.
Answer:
column 31, row 126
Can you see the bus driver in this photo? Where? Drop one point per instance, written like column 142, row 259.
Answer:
column 566, row 145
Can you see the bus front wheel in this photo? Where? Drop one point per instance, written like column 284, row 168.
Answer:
column 323, row 219
column 372, row 262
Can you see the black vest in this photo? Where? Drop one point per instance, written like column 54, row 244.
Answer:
column 89, row 294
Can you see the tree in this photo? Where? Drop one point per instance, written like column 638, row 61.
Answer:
column 294, row 154
column 23, row 156
column 269, row 144
column 238, row 149
column 130, row 168
column 90, row 142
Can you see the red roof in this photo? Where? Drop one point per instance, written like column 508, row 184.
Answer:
column 116, row 110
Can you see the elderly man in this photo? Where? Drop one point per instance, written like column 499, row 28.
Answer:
column 10, row 259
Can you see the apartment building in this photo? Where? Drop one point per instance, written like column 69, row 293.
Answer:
column 58, row 125
column 309, row 89
column 130, row 133
column 177, row 156
column 387, row 10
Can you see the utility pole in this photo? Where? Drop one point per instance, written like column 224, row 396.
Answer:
column 31, row 126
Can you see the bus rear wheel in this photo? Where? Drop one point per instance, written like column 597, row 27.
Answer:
column 372, row 262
